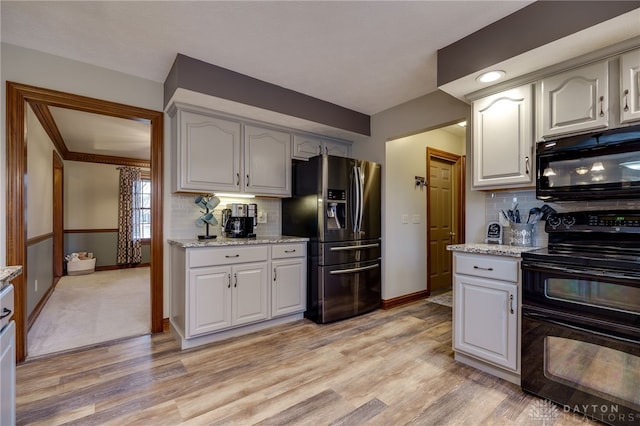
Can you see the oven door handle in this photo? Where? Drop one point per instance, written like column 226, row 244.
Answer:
column 578, row 328
column 594, row 272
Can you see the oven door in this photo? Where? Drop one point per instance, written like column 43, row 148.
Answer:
column 602, row 294
column 583, row 364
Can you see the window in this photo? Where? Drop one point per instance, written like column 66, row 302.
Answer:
column 145, row 208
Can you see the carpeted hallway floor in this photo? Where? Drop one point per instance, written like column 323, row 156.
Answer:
column 94, row 308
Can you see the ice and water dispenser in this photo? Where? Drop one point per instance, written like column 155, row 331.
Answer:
column 336, row 209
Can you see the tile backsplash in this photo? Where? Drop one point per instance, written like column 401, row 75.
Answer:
column 184, row 214
column 526, row 199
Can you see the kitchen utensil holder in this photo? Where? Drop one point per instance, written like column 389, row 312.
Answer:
column 521, row 234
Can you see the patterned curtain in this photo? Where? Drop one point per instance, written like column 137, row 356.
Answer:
column 129, row 246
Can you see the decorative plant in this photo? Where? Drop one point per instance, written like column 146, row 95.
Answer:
column 208, row 202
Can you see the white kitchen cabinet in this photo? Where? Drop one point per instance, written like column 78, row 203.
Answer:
column 219, row 291
column 307, row 146
column 267, row 161
column 486, row 313
column 250, row 293
column 503, row 139
column 630, row 86
column 206, row 152
column 289, row 277
column 209, row 300
column 576, row 100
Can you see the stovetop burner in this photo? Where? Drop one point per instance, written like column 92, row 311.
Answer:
column 598, row 239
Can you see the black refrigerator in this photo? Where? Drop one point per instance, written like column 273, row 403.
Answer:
column 336, row 203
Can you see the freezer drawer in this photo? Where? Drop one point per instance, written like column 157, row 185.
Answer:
column 344, row 291
column 348, row 252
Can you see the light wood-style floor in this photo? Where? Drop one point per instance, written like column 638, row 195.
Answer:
column 390, row 367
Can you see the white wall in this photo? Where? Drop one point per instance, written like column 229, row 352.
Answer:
column 40, row 170
column 406, row 265
column 425, row 113
column 91, row 194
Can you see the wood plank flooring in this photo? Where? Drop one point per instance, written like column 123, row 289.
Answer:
column 390, row 367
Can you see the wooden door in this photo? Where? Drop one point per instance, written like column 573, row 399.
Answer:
column 444, row 215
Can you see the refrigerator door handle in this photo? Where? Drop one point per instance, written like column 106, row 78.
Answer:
column 353, row 270
column 356, row 199
column 361, row 197
column 361, row 246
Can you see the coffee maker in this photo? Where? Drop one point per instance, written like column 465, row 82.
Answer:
column 238, row 220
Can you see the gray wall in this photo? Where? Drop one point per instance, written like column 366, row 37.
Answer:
column 39, row 267
column 103, row 245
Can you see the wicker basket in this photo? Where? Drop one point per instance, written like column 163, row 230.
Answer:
column 81, row 267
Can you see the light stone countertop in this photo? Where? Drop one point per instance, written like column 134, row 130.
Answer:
column 494, row 249
column 7, row 273
column 222, row 241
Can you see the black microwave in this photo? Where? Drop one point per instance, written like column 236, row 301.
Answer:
column 594, row 166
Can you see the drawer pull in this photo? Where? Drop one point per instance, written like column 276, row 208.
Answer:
column 484, row 269
column 229, row 281
column 290, row 251
column 230, row 257
column 5, row 313
column 235, row 279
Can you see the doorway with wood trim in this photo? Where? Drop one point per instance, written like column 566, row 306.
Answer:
column 445, row 215
column 19, row 96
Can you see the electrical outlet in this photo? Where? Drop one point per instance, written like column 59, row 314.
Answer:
column 415, row 218
column 36, row 285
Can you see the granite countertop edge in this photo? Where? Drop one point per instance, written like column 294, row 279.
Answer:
column 222, row 241
column 7, row 273
column 494, row 249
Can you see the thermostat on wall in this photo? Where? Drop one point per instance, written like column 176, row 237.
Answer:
column 494, row 233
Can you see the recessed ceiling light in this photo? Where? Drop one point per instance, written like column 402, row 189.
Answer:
column 490, row 76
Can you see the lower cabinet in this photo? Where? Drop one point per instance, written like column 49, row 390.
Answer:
column 217, row 292
column 221, row 297
column 486, row 313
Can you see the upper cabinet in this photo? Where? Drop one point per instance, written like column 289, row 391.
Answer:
column 206, row 152
column 575, row 101
column 267, row 161
column 630, row 86
column 212, row 153
column 503, row 139
column 307, row 146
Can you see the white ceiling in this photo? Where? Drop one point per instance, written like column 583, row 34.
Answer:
column 102, row 134
column 364, row 55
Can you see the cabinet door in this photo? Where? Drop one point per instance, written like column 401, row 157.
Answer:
column 267, row 161
column 209, row 300
column 486, row 320
column 250, row 293
column 209, row 153
column 305, row 147
column 503, row 139
column 630, row 82
column 338, row 149
column 289, row 286
column 576, row 100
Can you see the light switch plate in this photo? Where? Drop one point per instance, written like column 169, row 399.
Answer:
column 405, row 218
column 415, row 218
column 262, row 217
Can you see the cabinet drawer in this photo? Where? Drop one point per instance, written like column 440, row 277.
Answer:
column 487, row 266
column 227, row 255
column 283, row 251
